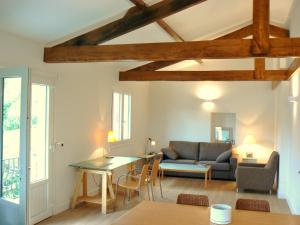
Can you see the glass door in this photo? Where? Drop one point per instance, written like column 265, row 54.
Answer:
column 40, row 191
column 14, row 138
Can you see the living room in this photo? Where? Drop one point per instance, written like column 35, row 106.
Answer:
column 81, row 106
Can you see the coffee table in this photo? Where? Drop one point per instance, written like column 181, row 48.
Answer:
column 190, row 168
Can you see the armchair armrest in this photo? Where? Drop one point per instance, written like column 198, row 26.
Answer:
column 253, row 171
column 257, row 178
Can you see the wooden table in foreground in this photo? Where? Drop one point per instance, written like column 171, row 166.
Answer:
column 158, row 213
column 188, row 168
column 104, row 167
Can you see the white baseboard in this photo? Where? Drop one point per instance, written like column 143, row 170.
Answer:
column 60, row 208
column 281, row 195
column 294, row 209
column 65, row 206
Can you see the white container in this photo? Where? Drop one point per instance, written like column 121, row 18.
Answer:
column 220, row 214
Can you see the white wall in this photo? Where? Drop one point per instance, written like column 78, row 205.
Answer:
column 288, row 129
column 17, row 51
column 177, row 113
column 82, row 110
column 282, row 134
column 83, row 113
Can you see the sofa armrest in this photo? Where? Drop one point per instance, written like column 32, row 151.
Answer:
column 233, row 165
column 233, row 162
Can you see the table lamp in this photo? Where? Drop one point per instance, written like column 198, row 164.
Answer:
column 111, row 137
column 150, row 143
column 249, row 140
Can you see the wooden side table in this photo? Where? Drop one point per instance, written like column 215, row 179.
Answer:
column 249, row 160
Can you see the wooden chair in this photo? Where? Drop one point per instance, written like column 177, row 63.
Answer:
column 253, row 205
column 132, row 182
column 189, row 199
column 154, row 174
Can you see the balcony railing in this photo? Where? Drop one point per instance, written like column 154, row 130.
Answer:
column 10, row 178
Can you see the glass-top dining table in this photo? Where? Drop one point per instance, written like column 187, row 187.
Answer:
column 104, row 167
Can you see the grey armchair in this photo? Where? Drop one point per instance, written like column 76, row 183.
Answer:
column 257, row 176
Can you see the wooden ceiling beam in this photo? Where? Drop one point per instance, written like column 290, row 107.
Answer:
column 260, row 67
column 240, row 33
column 142, row 6
column 234, row 75
column 279, row 32
column 156, row 65
column 275, row 84
column 169, row 30
column 215, row 49
column 295, row 65
column 261, row 27
column 131, row 21
column 237, row 34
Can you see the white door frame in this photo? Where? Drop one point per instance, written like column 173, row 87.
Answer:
column 38, row 77
column 22, row 208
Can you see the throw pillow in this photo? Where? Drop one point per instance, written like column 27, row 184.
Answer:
column 224, row 157
column 170, row 153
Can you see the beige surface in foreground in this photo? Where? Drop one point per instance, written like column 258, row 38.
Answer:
column 155, row 213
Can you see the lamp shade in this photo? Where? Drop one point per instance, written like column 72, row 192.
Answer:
column 111, row 137
column 153, row 143
column 249, row 140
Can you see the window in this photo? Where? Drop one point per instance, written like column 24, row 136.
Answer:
column 121, row 116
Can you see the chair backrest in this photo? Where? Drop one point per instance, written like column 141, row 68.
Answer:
column 155, row 169
column 273, row 161
column 190, row 199
column 144, row 174
column 253, row 205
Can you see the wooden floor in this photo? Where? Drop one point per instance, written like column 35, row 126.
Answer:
column 217, row 191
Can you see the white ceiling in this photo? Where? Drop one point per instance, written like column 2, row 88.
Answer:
column 53, row 20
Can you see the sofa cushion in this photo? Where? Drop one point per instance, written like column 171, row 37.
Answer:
column 170, row 153
column 179, row 161
column 217, row 166
column 210, row 151
column 185, row 149
column 224, row 157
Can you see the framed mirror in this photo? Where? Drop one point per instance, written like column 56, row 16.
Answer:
column 223, row 127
